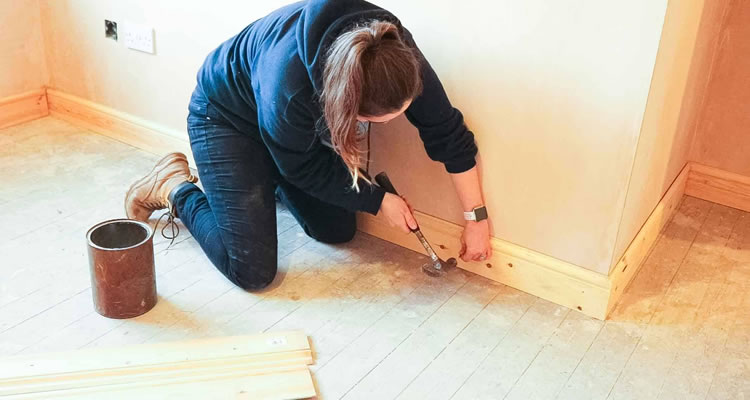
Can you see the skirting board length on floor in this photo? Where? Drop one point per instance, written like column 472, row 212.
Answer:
column 23, row 107
column 719, row 186
column 273, row 364
column 555, row 280
column 118, row 125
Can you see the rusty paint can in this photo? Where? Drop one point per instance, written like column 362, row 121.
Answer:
column 121, row 261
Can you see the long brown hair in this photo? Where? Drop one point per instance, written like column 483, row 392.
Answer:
column 369, row 71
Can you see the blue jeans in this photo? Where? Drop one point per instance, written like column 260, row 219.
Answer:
column 234, row 220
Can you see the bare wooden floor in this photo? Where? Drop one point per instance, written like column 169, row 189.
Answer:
column 381, row 329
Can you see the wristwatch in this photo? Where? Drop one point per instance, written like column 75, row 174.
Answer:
column 477, row 214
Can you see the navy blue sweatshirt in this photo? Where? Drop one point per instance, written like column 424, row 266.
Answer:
column 266, row 80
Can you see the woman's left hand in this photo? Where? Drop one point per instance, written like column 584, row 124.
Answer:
column 475, row 241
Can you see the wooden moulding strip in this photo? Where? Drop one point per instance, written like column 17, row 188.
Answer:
column 167, row 363
column 23, row 107
column 292, row 384
column 630, row 263
column 547, row 277
column 117, row 125
column 532, row 272
column 719, row 186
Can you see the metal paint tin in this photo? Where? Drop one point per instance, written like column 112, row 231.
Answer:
column 121, row 261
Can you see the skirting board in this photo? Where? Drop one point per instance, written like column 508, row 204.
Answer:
column 292, row 384
column 23, row 107
column 552, row 279
column 524, row 269
column 257, row 364
column 628, row 265
column 120, row 126
column 719, row 186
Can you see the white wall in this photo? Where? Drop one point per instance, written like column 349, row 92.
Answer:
column 555, row 92
column 664, row 145
column 22, row 65
column 155, row 87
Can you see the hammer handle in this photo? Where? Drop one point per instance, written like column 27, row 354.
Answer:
column 385, row 183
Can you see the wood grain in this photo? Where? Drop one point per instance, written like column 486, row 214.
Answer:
column 524, row 269
column 118, row 125
column 169, row 362
column 547, row 277
column 719, row 186
column 625, row 269
column 23, row 107
column 292, row 384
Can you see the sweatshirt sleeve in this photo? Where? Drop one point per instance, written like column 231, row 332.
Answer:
column 311, row 166
column 441, row 126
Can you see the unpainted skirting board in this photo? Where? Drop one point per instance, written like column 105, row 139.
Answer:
column 527, row 270
column 291, row 384
column 23, row 107
column 624, row 271
column 151, row 365
column 547, row 277
column 719, row 186
column 118, row 125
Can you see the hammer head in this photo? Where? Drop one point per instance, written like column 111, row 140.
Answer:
column 438, row 268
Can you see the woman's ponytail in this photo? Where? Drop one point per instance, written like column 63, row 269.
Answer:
column 369, row 71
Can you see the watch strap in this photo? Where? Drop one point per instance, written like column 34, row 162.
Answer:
column 477, row 214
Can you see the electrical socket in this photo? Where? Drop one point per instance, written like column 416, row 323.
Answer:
column 110, row 29
column 137, row 37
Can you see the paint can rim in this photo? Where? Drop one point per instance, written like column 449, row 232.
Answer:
column 145, row 226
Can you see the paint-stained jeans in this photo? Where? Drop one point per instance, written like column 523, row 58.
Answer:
column 234, row 220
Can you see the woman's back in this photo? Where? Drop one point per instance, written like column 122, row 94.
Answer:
column 277, row 59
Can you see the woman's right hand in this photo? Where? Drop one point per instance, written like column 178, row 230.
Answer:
column 398, row 212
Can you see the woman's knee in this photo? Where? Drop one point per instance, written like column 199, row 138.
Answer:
column 252, row 276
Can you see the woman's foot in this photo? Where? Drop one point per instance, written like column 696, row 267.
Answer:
column 151, row 192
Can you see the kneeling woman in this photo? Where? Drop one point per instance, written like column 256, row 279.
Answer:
column 275, row 114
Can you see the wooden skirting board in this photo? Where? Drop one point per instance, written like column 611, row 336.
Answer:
column 118, row 125
column 552, row 279
column 23, row 107
column 697, row 180
column 625, row 269
column 719, row 186
column 513, row 265
column 558, row 281
column 269, row 365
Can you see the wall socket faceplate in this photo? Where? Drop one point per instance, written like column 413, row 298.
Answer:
column 110, row 29
column 137, row 37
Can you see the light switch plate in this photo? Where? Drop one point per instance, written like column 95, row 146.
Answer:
column 138, row 37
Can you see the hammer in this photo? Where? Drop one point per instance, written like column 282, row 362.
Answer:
column 436, row 267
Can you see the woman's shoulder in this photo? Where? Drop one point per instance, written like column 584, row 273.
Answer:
column 290, row 108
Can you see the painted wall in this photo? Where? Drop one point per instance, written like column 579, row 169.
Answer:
column 22, row 65
column 555, row 94
column 554, row 91
column 723, row 131
column 156, row 87
column 680, row 79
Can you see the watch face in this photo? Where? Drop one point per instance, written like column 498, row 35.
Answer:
column 481, row 213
